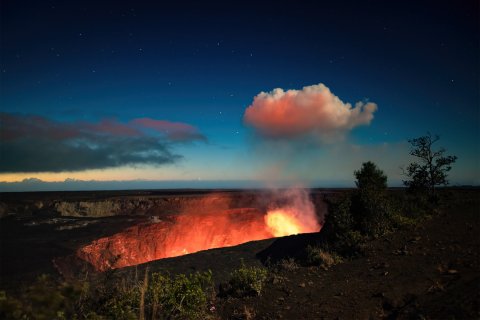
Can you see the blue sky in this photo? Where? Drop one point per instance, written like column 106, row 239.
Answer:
column 73, row 64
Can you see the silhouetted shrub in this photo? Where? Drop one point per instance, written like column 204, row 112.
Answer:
column 180, row 297
column 122, row 303
column 371, row 207
column 165, row 297
column 44, row 299
column 372, row 213
column 355, row 216
column 340, row 218
column 322, row 257
column 10, row 308
column 288, row 264
column 245, row 281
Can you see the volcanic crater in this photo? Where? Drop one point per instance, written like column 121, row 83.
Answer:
column 111, row 231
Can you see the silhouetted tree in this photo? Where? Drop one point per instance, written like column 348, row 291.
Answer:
column 370, row 204
column 432, row 167
column 370, row 178
column 362, row 213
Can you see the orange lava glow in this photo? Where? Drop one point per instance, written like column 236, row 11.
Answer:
column 189, row 233
column 282, row 223
column 224, row 229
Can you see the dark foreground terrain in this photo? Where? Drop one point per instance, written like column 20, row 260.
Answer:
column 428, row 271
column 425, row 270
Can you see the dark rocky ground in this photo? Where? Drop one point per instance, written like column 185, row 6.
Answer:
column 427, row 271
column 431, row 271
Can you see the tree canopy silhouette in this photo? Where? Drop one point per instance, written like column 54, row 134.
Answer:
column 370, row 177
column 432, row 167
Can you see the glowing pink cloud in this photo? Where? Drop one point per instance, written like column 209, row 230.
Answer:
column 38, row 144
column 111, row 127
column 25, row 126
column 312, row 111
column 173, row 130
column 19, row 126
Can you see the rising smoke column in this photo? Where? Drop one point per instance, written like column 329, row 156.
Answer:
column 290, row 125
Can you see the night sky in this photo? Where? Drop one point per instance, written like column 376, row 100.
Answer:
column 115, row 91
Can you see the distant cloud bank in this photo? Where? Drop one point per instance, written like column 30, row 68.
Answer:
column 31, row 143
column 313, row 111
